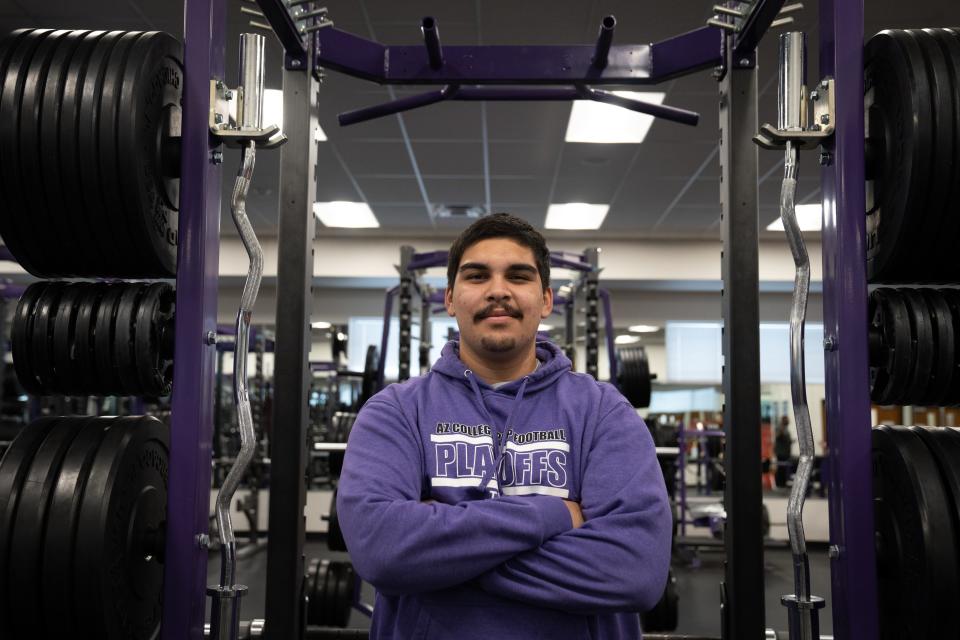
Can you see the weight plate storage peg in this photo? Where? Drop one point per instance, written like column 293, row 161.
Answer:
column 106, row 203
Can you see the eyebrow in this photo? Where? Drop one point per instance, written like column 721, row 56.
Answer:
column 479, row 266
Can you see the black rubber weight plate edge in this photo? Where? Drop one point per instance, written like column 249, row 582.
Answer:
column 31, row 520
column 21, row 337
column 13, row 470
column 950, row 225
column 58, row 553
column 63, row 330
column 72, row 158
column 41, row 336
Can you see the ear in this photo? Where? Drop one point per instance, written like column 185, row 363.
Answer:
column 448, row 301
column 547, row 304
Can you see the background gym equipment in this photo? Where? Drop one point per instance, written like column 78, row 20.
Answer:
column 629, row 370
column 66, row 211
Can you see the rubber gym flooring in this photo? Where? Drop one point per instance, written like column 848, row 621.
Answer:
column 698, row 586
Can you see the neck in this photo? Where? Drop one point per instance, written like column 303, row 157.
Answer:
column 502, row 368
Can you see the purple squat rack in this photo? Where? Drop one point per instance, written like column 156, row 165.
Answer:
column 853, row 596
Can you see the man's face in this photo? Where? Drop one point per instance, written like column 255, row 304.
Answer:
column 498, row 297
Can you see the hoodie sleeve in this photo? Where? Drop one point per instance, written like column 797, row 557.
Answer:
column 403, row 546
column 618, row 560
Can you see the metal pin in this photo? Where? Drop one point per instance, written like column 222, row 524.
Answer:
column 781, row 22
column 295, row 3
column 320, row 25
column 713, row 22
column 790, row 8
column 260, row 25
column 727, row 11
column 312, row 14
column 252, row 12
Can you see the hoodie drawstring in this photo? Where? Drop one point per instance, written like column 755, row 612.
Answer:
column 494, row 471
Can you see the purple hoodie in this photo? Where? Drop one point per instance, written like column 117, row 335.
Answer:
column 496, row 555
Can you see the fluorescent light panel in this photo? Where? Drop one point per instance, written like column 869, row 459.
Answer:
column 545, row 327
column 809, row 217
column 626, row 339
column 644, row 328
column 576, row 215
column 599, row 122
column 348, row 215
column 273, row 112
column 320, row 325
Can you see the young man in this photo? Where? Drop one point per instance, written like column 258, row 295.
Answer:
column 502, row 495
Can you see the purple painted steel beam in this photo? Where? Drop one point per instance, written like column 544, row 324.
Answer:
column 853, row 574
column 762, row 14
column 608, row 329
column 427, row 260
column 532, row 65
column 563, row 263
column 185, row 568
column 275, row 11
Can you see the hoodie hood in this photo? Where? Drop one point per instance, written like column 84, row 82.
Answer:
column 553, row 364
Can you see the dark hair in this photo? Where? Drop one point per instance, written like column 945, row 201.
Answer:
column 500, row 225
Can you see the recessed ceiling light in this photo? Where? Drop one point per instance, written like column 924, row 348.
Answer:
column 273, row 112
column 599, row 122
column 545, row 327
column 644, row 328
column 809, row 217
column 576, row 215
column 350, row 215
column 626, row 339
column 320, row 325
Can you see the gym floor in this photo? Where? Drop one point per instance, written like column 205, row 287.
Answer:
column 698, row 581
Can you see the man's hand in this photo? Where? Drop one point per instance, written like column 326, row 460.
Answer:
column 575, row 513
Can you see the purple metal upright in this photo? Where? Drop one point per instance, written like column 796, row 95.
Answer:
column 197, row 268
column 854, row 598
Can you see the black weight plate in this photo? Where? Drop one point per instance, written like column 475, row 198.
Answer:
column 938, row 387
column 949, row 42
column 59, row 205
column 14, row 225
column 152, row 94
column 85, row 364
column 892, row 106
column 879, row 352
column 154, row 367
column 123, row 360
column 103, row 334
column 944, row 444
column 311, row 587
column 87, row 151
column 111, row 111
column 323, row 578
column 14, row 467
column 952, row 298
column 335, row 541
column 942, row 153
column 63, row 337
column 96, row 250
column 58, row 551
column 917, row 557
column 51, row 255
column 924, row 349
column 26, row 541
column 7, row 223
column 118, row 583
column 41, row 336
column 20, row 336
column 935, row 101
column 343, row 596
column 900, row 342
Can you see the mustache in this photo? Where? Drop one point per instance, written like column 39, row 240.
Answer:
column 490, row 309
